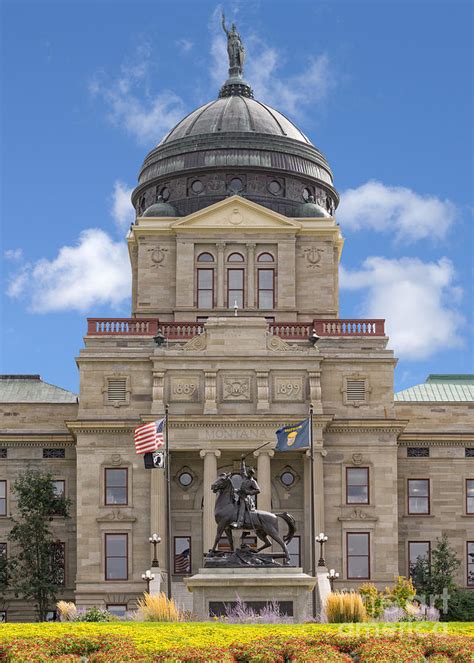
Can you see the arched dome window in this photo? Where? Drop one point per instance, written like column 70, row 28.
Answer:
column 265, row 257
column 235, row 257
column 205, row 257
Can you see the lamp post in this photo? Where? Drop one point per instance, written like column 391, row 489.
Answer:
column 332, row 576
column 321, row 539
column 148, row 576
column 155, row 540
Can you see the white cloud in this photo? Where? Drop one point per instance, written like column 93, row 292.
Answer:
column 94, row 271
column 409, row 215
column 132, row 106
column 122, row 209
column 293, row 95
column 13, row 254
column 184, row 45
column 419, row 301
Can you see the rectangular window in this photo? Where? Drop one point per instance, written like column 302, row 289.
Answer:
column 116, row 556
column 116, row 486
column 357, row 485
column 235, row 288
column 418, row 452
column 117, row 609
column 3, row 565
column 58, row 563
column 54, row 453
column 182, row 555
column 470, row 563
column 417, row 550
column 294, row 548
column 469, row 452
column 205, row 288
column 266, row 288
column 3, row 498
column 3, row 616
column 59, row 487
column 3, row 453
column 419, row 496
column 470, row 496
column 358, row 555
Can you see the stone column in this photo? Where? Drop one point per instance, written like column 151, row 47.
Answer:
column 210, row 457
column 185, row 286
column 158, row 516
column 210, row 392
column 263, row 403
column 251, row 275
column 220, row 275
column 264, row 478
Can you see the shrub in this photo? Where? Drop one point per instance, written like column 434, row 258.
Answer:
column 67, row 611
column 373, row 599
column 401, row 593
column 391, row 651
column 241, row 613
column 345, row 607
column 460, row 606
column 158, row 608
column 94, row 614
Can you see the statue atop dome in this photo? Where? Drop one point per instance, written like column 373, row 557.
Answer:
column 235, row 49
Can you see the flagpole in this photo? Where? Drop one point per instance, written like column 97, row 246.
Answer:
column 168, row 500
column 312, row 515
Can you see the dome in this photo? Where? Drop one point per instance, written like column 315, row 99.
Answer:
column 236, row 144
column 235, row 114
column 160, row 208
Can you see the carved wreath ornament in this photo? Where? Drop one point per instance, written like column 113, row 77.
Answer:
column 313, row 257
column 158, row 255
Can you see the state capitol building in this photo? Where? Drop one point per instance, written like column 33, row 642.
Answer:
column 235, row 325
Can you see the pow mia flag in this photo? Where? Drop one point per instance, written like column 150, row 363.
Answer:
column 154, row 460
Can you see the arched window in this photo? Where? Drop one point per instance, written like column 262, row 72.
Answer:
column 205, row 257
column 235, row 257
column 265, row 257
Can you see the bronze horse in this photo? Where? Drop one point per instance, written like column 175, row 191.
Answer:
column 263, row 523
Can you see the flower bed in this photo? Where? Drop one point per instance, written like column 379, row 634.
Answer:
column 221, row 643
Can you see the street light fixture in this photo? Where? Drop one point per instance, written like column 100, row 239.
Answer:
column 332, row 576
column 155, row 540
column 321, row 539
column 148, row 576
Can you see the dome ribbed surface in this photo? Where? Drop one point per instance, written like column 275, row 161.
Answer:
column 235, row 114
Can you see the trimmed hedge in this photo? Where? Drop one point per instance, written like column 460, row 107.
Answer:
column 271, row 645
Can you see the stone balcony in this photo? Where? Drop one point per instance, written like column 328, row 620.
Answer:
column 294, row 331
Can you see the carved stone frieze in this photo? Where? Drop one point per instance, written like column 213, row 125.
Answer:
column 196, row 344
column 276, row 344
column 158, row 256
column 116, row 515
column 288, row 388
column 358, row 514
column 312, row 256
column 235, row 388
column 184, row 389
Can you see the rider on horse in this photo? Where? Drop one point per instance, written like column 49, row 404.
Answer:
column 246, row 493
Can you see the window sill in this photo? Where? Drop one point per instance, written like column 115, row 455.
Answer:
column 419, row 515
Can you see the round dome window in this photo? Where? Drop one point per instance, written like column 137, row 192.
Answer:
column 287, row 478
column 274, row 187
column 185, row 479
column 236, row 184
column 197, row 186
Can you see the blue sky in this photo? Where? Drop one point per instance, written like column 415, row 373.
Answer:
column 384, row 89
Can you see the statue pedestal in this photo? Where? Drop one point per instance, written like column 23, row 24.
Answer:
column 213, row 588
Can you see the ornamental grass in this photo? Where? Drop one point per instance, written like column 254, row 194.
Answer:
column 343, row 607
column 158, row 608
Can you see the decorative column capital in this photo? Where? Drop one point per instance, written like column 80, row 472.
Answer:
column 204, row 452
column 220, row 246
column 264, row 452
column 319, row 450
column 251, row 245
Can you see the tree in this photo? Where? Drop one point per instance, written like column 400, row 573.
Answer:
column 33, row 569
column 435, row 578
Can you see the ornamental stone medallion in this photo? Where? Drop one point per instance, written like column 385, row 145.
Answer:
column 236, row 389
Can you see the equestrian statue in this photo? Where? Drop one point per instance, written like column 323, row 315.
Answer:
column 235, row 510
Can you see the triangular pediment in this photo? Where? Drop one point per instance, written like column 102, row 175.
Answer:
column 236, row 213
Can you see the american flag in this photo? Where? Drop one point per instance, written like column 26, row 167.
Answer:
column 149, row 437
column 182, row 562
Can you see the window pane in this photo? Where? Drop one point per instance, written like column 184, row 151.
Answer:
column 357, row 544
column 265, row 257
column 116, row 568
column 470, row 504
column 265, row 279
column 116, row 477
column 116, row 545
column 235, row 257
column 58, row 487
column 235, row 279
column 470, row 563
column 116, row 495
column 470, row 495
column 294, row 550
column 357, row 485
column 357, row 495
column 418, row 549
column 117, row 609
column 358, row 567
column 418, row 487
column 205, row 279
column 357, row 476
column 265, row 299
column 205, row 299
column 418, row 505
column 182, row 554
column 206, row 257
column 3, row 489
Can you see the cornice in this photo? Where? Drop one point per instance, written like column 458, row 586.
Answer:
column 36, row 439
column 367, row 426
column 436, row 439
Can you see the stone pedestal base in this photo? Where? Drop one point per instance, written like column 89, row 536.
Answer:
column 212, row 588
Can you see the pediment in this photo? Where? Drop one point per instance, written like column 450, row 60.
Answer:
column 236, row 213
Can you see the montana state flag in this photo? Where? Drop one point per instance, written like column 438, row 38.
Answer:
column 295, row 436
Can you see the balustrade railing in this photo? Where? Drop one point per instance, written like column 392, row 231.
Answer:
column 297, row 331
